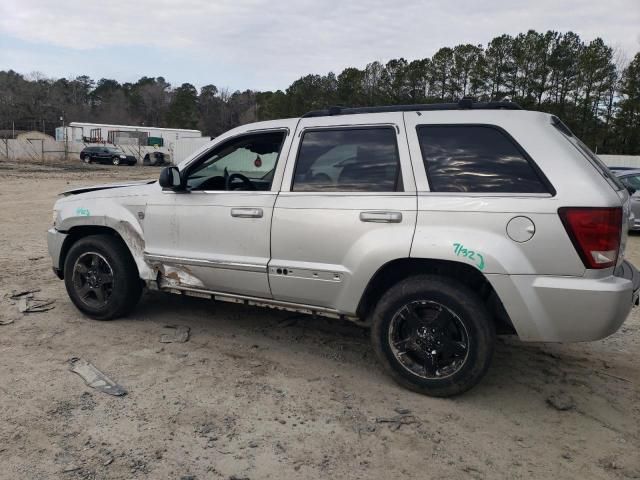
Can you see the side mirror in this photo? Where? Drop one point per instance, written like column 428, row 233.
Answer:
column 631, row 190
column 170, row 178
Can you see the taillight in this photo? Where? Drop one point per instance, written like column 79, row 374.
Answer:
column 595, row 233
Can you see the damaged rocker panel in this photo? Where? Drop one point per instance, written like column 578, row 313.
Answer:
column 180, row 281
column 259, row 302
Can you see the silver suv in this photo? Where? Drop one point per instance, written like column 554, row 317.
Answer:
column 436, row 225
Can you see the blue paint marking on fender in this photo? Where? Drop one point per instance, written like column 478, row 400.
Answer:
column 475, row 257
column 83, row 212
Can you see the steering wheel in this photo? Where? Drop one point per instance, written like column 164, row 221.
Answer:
column 245, row 180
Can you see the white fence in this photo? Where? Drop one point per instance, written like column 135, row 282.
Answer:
column 184, row 147
column 34, row 149
column 631, row 161
column 50, row 150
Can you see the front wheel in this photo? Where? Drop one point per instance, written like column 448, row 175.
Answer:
column 433, row 335
column 115, row 160
column 87, row 159
column 101, row 277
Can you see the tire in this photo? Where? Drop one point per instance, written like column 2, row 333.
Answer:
column 115, row 161
column 87, row 159
column 441, row 364
column 119, row 295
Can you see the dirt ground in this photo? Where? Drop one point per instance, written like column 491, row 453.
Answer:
column 264, row 394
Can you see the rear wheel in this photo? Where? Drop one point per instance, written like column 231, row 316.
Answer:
column 101, row 277
column 433, row 335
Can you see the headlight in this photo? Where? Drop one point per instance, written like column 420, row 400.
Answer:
column 54, row 216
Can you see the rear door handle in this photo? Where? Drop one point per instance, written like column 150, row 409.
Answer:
column 246, row 212
column 381, row 217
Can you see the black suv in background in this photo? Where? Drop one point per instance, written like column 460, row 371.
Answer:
column 111, row 155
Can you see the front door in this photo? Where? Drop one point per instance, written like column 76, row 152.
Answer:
column 215, row 235
column 347, row 206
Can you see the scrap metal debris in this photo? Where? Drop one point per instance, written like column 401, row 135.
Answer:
column 399, row 420
column 6, row 321
column 175, row 334
column 95, row 378
column 28, row 303
column 71, row 468
column 22, row 304
column 16, row 294
column 40, row 306
column 402, row 411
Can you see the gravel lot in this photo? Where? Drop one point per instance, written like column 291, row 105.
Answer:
column 262, row 394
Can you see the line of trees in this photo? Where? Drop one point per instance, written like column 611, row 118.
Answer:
column 35, row 102
column 588, row 84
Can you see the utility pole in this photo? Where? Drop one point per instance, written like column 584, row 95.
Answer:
column 64, row 138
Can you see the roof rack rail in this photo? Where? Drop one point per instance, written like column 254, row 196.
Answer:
column 466, row 103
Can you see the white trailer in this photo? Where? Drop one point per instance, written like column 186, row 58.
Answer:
column 137, row 135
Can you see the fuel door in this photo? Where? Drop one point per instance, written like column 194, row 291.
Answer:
column 521, row 229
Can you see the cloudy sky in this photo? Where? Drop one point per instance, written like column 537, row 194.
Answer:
column 266, row 44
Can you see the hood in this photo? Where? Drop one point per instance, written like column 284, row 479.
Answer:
column 107, row 186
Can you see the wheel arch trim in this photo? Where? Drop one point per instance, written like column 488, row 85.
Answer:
column 400, row 268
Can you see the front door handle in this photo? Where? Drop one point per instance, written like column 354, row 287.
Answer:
column 381, row 217
column 246, row 212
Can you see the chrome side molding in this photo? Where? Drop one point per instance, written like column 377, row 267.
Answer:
column 198, row 262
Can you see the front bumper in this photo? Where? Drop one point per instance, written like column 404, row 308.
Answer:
column 55, row 241
column 568, row 309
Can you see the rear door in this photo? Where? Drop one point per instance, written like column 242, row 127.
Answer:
column 347, row 206
column 482, row 199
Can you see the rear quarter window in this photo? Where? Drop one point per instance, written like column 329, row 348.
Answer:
column 595, row 161
column 477, row 159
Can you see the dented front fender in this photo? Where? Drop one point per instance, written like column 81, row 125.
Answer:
column 124, row 215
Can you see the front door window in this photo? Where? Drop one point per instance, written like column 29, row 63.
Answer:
column 244, row 163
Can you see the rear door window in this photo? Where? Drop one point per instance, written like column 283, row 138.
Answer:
column 477, row 159
column 348, row 160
